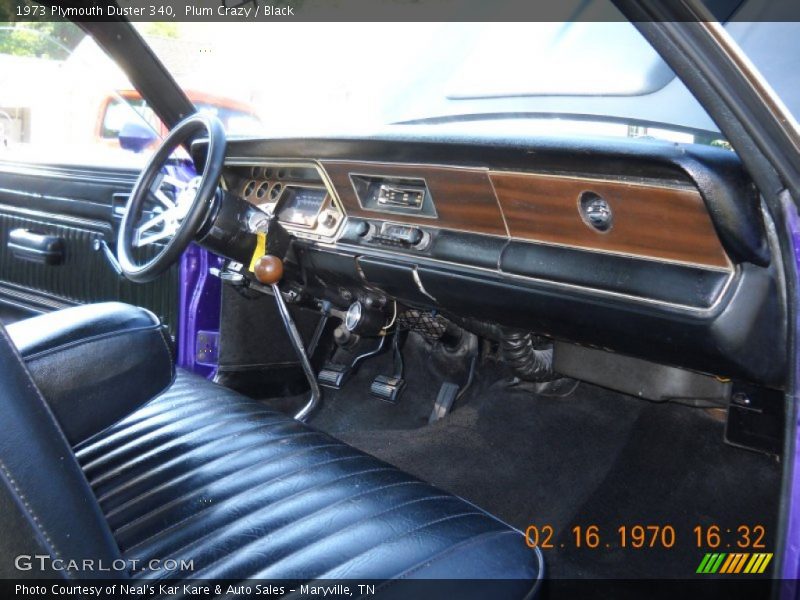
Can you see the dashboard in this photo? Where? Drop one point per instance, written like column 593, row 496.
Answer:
column 651, row 249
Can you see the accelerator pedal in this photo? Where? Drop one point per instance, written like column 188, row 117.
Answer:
column 444, row 401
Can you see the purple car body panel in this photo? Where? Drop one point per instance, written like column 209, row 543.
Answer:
column 198, row 314
column 198, row 311
column 791, row 558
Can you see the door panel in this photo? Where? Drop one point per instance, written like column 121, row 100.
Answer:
column 76, row 206
column 62, row 174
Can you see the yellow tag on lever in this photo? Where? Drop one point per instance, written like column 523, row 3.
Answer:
column 260, row 250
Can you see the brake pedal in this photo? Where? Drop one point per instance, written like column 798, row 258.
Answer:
column 334, row 375
column 387, row 387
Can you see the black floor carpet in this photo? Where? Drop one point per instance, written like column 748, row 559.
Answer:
column 593, row 458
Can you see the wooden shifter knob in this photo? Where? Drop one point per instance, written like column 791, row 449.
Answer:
column 268, row 269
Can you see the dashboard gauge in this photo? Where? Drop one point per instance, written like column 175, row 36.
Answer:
column 301, row 206
column 296, row 195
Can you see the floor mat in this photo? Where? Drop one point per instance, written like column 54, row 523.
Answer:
column 595, row 458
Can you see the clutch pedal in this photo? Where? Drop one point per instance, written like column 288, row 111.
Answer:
column 387, row 387
column 334, row 375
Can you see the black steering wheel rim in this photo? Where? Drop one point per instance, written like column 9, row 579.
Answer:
column 196, row 214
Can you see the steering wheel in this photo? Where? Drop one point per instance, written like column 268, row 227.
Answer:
column 150, row 242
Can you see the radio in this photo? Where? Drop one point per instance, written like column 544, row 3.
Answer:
column 402, row 236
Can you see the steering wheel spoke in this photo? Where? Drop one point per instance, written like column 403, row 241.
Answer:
column 143, row 241
column 172, row 181
column 169, row 225
column 159, row 195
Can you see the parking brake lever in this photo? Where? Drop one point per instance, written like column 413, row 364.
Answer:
column 269, row 271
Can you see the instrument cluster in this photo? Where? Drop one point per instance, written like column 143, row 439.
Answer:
column 296, row 193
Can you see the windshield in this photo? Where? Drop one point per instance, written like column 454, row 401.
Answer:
column 304, row 79
column 347, row 78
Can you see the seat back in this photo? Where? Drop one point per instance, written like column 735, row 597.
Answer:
column 46, row 505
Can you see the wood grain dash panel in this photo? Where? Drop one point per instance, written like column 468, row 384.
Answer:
column 464, row 198
column 656, row 222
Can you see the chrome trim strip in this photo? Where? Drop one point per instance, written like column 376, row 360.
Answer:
column 277, row 162
column 83, row 174
column 780, row 113
column 25, row 307
column 670, row 261
column 27, row 249
column 420, row 286
column 499, row 206
column 645, row 183
column 45, row 299
column 50, row 217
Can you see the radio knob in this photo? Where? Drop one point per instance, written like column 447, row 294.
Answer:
column 361, row 228
column 415, row 236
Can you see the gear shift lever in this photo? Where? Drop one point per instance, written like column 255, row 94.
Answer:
column 269, row 271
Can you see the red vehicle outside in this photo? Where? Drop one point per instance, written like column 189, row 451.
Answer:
column 114, row 115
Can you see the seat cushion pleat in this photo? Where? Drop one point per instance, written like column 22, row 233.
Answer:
column 203, row 474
